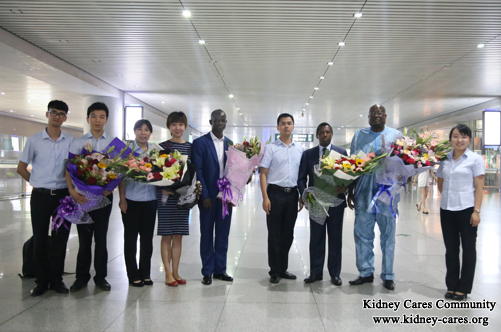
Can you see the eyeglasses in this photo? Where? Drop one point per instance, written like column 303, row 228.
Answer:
column 57, row 114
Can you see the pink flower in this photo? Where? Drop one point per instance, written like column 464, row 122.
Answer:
column 150, row 177
column 84, row 161
column 141, row 162
column 142, row 167
column 397, row 152
column 147, row 169
column 421, row 135
column 371, row 155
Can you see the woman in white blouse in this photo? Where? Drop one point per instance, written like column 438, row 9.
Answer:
column 461, row 182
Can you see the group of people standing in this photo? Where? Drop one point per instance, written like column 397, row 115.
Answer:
column 286, row 171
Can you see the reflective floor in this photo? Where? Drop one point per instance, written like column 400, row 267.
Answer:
column 250, row 303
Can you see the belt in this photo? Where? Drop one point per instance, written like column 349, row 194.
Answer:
column 52, row 192
column 284, row 189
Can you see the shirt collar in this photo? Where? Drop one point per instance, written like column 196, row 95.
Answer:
column 328, row 147
column 466, row 154
column 282, row 143
column 214, row 138
column 139, row 149
column 89, row 135
column 46, row 136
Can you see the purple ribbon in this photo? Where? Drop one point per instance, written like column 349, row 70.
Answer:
column 67, row 207
column 224, row 185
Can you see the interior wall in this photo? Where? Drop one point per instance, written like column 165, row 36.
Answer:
column 15, row 126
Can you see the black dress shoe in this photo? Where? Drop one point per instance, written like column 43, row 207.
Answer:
column 60, row 288
column 137, row 284
column 337, row 281
column 222, row 276
column 103, row 284
column 449, row 295
column 362, row 280
column 312, row 278
column 78, row 285
column 389, row 284
column 207, row 280
column 148, row 282
column 287, row 275
column 458, row 297
column 274, row 278
column 39, row 290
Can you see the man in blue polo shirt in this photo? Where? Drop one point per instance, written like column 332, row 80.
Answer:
column 279, row 174
column 47, row 152
column 97, row 117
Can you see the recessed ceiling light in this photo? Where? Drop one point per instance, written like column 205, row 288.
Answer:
column 330, row 63
column 201, row 41
column 14, row 128
column 163, row 102
column 11, row 111
column 342, row 126
column 311, row 97
column 341, row 44
column 31, row 115
column 315, row 88
column 480, row 45
column 69, row 112
column 231, row 96
column 29, row 100
column 361, row 115
column 339, row 129
column 307, row 104
column 2, row 93
column 186, row 13
column 304, row 109
column 321, row 77
column 238, row 109
column 358, row 15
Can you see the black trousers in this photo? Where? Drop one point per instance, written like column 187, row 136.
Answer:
column 456, row 230
column 139, row 220
column 48, row 265
column 98, row 230
column 334, row 227
column 281, row 222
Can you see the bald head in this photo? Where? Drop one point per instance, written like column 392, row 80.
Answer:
column 377, row 117
column 216, row 113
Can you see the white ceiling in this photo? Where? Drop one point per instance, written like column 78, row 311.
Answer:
column 417, row 58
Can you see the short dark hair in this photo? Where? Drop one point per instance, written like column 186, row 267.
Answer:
column 463, row 130
column 376, row 107
column 141, row 122
column 177, row 117
column 98, row 107
column 323, row 124
column 58, row 105
column 284, row 115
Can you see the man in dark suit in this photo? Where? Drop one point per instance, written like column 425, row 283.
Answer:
column 208, row 155
column 333, row 223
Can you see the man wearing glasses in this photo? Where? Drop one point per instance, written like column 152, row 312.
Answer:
column 370, row 140
column 47, row 152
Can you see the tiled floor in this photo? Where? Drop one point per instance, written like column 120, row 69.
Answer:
column 250, row 303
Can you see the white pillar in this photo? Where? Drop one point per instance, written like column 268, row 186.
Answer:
column 115, row 125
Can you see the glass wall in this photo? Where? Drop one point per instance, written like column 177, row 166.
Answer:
column 11, row 184
column 491, row 156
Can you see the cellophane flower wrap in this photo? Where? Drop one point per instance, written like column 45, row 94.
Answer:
column 408, row 156
column 241, row 160
column 333, row 171
column 91, row 173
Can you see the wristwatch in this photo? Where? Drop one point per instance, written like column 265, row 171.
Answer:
column 477, row 210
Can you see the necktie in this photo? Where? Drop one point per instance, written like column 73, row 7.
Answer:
column 323, row 151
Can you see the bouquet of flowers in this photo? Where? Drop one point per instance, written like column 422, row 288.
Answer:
column 170, row 170
column 159, row 168
column 420, row 149
column 91, row 173
column 242, row 159
column 408, row 156
column 333, row 171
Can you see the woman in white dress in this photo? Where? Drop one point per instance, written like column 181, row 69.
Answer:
column 423, row 183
